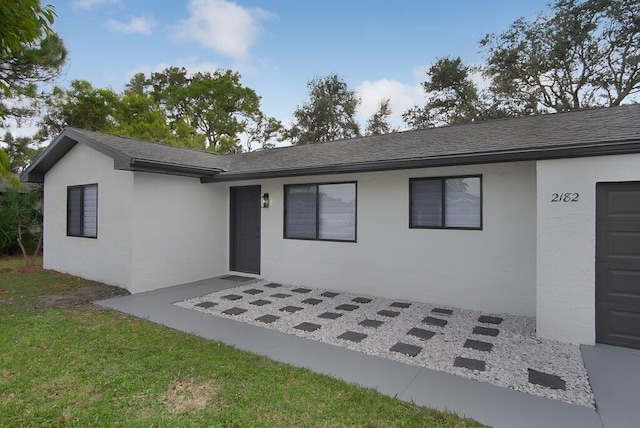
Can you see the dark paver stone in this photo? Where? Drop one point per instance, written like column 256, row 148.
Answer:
column 352, row 336
column 361, row 300
column 232, row 297
column 546, row 379
column 402, row 305
column 253, row 291
column 312, row 301
column 301, row 290
column 421, row 333
column 237, row 278
column 281, row 295
column 273, row 285
column 206, row 304
column 371, row 323
column 478, row 345
column 386, row 313
column 405, row 348
column 268, row 319
column 329, row 294
column 470, row 363
column 435, row 321
column 307, row 326
column 260, row 302
column 329, row 315
column 486, row 331
column 291, row 309
column 489, row 319
column 234, row 311
column 441, row 311
column 347, row 307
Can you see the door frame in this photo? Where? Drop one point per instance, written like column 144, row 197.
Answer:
column 232, row 219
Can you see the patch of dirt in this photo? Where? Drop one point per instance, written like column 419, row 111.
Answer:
column 84, row 296
column 185, row 395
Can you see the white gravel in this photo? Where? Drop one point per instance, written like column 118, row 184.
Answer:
column 515, row 349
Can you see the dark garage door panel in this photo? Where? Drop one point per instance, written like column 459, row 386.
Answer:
column 619, row 325
column 618, row 264
column 620, row 202
column 622, row 284
column 619, row 242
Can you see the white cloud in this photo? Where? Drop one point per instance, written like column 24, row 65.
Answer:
column 222, row 26
column 88, row 4
column 402, row 96
column 137, row 24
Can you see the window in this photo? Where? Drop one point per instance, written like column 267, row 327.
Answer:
column 82, row 211
column 446, row 202
column 324, row 212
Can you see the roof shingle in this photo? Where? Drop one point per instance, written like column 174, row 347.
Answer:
column 591, row 132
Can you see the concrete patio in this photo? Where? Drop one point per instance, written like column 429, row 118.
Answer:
column 614, row 372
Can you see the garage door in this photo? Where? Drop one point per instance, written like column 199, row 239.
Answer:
column 618, row 264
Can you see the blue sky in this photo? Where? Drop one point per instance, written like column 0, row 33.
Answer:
column 381, row 48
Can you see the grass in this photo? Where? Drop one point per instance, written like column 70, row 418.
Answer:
column 96, row 367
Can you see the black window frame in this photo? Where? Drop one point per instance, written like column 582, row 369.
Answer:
column 317, row 237
column 443, row 197
column 82, row 211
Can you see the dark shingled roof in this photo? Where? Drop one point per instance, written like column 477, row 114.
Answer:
column 532, row 137
column 614, row 130
column 158, row 152
column 129, row 154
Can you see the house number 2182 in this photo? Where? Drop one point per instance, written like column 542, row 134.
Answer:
column 565, row 197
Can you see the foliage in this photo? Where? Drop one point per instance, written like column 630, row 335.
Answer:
column 585, row 53
column 88, row 366
column 103, row 110
column 582, row 54
column 378, row 123
column 5, row 169
column 328, row 115
column 452, row 97
column 20, row 221
column 81, row 106
column 215, row 105
column 19, row 151
column 23, row 22
column 30, row 54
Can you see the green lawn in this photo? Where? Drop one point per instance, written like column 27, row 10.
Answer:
column 96, row 367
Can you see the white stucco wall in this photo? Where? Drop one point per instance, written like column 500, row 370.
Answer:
column 180, row 231
column 566, row 242
column 108, row 258
column 493, row 269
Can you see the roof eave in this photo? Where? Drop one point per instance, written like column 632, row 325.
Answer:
column 616, row 148
column 144, row 165
column 59, row 147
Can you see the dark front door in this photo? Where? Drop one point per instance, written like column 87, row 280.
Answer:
column 618, row 264
column 245, row 229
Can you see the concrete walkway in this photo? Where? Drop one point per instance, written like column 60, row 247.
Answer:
column 489, row 404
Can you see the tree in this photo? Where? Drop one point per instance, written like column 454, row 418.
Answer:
column 328, row 115
column 378, row 123
column 5, row 169
column 20, row 152
column 263, row 131
column 452, row 97
column 80, row 106
column 216, row 105
column 30, row 53
column 21, row 222
column 585, row 53
column 134, row 115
